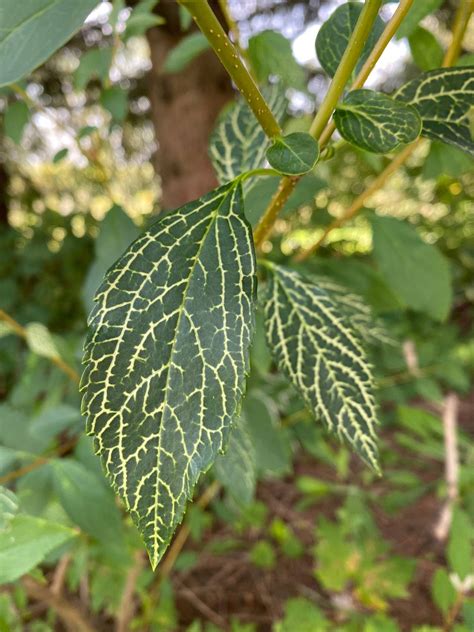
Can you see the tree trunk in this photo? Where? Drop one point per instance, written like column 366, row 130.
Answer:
column 184, row 110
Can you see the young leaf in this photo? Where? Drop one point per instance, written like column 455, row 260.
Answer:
column 236, row 469
column 166, row 357
column 313, row 344
column 185, row 51
column 334, row 35
column 376, row 122
column 294, row 154
column 443, row 98
column 26, row 543
column 17, row 116
column 32, row 31
column 238, row 142
column 416, row 271
column 426, row 51
column 93, row 64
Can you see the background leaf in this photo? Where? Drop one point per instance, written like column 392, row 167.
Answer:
column 416, row 271
column 419, row 10
column 185, row 51
column 16, row 117
column 271, row 56
column 26, row 543
column 426, row 51
column 33, row 31
column 166, row 357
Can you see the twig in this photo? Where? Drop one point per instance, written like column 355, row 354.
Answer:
column 21, row 331
column 461, row 21
column 127, row 606
column 203, row 608
column 72, row 617
column 184, row 532
column 451, row 464
column 211, row 28
column 59, row 576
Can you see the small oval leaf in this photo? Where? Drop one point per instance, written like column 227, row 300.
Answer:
column 376, row 122
column 294, row 154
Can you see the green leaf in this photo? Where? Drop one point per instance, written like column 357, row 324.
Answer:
column 459, row 551
column 185, row 51
column 443, row 98
column 416, row 271
column 115, row 100
column 334, row 35
column 32, row 31
column 87, row 503
column 26, row 543
column 419, row 10
column 294, row 154
column 116, row 233
column 445, row 160
column 60, row 155
column 270, row 441
column 303, row 616
column 376, row 122
column 236, row 469
column 53, row 420
column 40, row 341
column 8, row 507
column 16, row 117
column 94, row 64
column 442, row 590
column 166, row 357
column 139, row 22
column 426, row 51
column 271, row 55
column 238, row 142
column 314, row 345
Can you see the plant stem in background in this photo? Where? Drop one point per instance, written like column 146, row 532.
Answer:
column 211, row 28
column 346, row 67
column 21, row 331
column 461, row 21
column 343, row 73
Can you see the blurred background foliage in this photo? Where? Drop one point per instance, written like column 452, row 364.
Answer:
column 107, row 134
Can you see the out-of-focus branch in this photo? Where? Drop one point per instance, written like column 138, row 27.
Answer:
column 451, row 464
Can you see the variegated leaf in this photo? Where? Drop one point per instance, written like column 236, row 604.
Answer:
column 313, row 343
column 238, row 143
column 365, row 324
column 376, row 122
column 166, row 357
column 444, row 99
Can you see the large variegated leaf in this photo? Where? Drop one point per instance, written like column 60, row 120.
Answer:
column 238, row 143
column 313, row 343
column 443, row 98
column 167, row 354
column 376, row 122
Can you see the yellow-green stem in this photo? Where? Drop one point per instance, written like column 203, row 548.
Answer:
column 211, row 28
column 346, row 67
column 343, row 73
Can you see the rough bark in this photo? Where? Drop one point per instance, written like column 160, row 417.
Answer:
column 184, row 109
